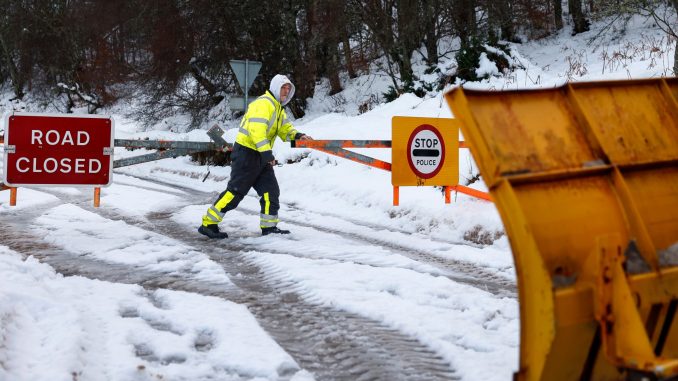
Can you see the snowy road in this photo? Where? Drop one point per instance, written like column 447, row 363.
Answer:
column 360, row 290
column 345, row 299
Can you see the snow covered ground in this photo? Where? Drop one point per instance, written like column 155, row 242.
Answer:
column 130, row 291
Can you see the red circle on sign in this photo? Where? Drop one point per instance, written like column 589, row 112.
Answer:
column 409, row 150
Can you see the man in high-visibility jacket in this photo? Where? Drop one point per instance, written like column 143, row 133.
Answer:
column 252, row 160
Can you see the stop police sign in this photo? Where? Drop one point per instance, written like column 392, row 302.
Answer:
column 48, row 149
column 426, row 151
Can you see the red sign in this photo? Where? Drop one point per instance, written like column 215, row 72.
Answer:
column 426, row 151
column 50, row 149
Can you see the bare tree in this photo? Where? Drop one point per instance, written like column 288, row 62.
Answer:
column 663, row 12
column 501, row 18
column 465, row 21
column 663, row 19
column 176, row 52
column 393, row 25
column 16, row 61
column 328, row 30
column 15, row 76
column 581, row 24
column 431, row 24
column 558, row 14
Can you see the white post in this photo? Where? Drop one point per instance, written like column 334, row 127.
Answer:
column 244, row 86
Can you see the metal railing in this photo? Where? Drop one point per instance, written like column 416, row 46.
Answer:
column 170, row 148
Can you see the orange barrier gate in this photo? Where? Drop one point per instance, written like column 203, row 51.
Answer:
column 337, row 148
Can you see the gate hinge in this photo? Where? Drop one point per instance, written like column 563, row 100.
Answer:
column 108, row 150
column 10, row 148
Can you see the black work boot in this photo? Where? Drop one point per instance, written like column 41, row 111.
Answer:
column 273, row 230
column 212, row 231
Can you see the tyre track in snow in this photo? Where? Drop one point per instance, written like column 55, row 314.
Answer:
column 372, row 226
column 455, row 270
column 333, row 344
column 16, row 235
column 459, row 271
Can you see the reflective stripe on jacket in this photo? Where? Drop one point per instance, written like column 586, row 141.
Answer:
column 265, row 118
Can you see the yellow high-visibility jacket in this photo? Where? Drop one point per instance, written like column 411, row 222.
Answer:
column 265, row 119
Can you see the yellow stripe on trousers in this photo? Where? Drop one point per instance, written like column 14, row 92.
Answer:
column 267, row 206
column 221, row 204
column 225, row 200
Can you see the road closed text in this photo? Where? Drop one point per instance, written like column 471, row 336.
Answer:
column 52, row 165
column 58, row 139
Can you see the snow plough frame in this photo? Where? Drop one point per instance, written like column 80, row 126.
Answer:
column 585, row 178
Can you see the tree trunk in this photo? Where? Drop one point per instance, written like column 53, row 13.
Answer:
column 581, row 24
column 464, row 20
column 558, row 13
column 505, row 20
column 331, row 26
column 378, row 16
column 17, row 81
column 429, row 24
column 333, row 66
column 307, row 63
column 407, row 39
column 347, row 56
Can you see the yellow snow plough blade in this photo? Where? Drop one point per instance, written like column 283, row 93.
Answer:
column 585, row 178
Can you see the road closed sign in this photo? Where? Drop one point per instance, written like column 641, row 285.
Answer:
column 50, row 149
column 425, row 151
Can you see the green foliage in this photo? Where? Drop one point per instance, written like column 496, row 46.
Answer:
column 419, row 89
column 500, row 59
column 391, row 94
column 468, row 58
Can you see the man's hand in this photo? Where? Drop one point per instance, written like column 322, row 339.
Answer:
column 273, row 162
column 305, row 137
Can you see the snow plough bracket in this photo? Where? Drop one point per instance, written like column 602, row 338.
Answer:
column 585, row 177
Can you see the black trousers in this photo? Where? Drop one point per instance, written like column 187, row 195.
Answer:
column 248, row 170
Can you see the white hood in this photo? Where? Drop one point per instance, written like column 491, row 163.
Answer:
column 276, row 83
